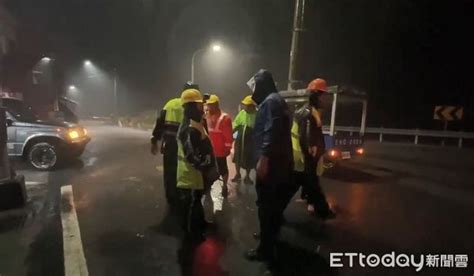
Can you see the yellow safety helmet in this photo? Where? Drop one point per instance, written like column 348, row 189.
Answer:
column 248, row 101
column 191, row 96
column 213, row 99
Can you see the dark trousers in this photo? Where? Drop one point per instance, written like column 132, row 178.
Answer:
column 170, row 163
column 311, row 190
column 271, row 202
column 192, row 212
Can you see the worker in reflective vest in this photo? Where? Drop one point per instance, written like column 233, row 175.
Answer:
column 196, row 163
column 219, row 125
column 244, row 145
column 166, row 128
column 308, row 149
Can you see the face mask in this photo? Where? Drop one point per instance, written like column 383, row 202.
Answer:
column 314, row 100
column 192, row 112
column 258, row 98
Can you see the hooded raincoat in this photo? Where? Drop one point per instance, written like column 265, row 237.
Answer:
column 272, row 133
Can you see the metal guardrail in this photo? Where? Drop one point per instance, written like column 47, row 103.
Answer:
column 460, row 135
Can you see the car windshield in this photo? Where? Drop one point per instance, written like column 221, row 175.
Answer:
column 20, row 112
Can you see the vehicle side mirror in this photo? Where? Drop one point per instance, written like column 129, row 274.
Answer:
column 9, row 122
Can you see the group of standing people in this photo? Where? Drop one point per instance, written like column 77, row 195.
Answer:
column 197, row 137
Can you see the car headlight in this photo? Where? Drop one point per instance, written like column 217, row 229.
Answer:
column 73, row 134
column 76, row 133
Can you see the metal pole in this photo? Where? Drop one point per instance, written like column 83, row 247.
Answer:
column 444, row 128
column 4, row 161
column 52, row 85
column 192, row 68
column 298, row 27
column 192, row 63
column 364, row 118
column 115, row 94
column 333, row 115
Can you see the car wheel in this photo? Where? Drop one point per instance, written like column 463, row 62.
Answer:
column 43, row 156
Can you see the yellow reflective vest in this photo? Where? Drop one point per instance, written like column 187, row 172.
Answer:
column 298, row 156
column 174, row 115
column 189, row 177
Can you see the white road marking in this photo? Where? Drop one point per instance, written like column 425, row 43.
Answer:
column 74, row 259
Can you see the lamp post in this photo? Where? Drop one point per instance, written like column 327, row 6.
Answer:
column 298, row 29
column 88, row 63
column 214, row 48
column 115, row 93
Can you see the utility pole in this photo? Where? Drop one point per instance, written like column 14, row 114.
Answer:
column 298, row 28
column 115, row 93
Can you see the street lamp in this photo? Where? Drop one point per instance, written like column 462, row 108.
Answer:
column 72, row 87
column 215, row 48
column 45, row 68
column 93, row 68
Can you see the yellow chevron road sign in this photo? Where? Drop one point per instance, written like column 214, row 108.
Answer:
column 448, row 113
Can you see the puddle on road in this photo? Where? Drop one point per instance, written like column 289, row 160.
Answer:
column 346, row 174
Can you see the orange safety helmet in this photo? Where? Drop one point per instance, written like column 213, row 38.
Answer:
column 318, row 85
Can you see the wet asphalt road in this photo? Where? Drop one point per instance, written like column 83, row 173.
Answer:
column 127, row 229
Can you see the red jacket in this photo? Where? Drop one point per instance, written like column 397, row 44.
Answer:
column 220, row 132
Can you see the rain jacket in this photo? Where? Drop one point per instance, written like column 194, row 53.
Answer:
column 220, row 132
column 272, row 128
column 244, row 146
column 167, row 125
column 244, row 119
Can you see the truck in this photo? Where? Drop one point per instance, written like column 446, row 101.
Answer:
column 342, row 143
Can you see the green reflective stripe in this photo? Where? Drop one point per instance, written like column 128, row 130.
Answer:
column 172, row 123
column 297, row 152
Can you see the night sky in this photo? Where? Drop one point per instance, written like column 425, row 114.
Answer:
column 407, row 55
